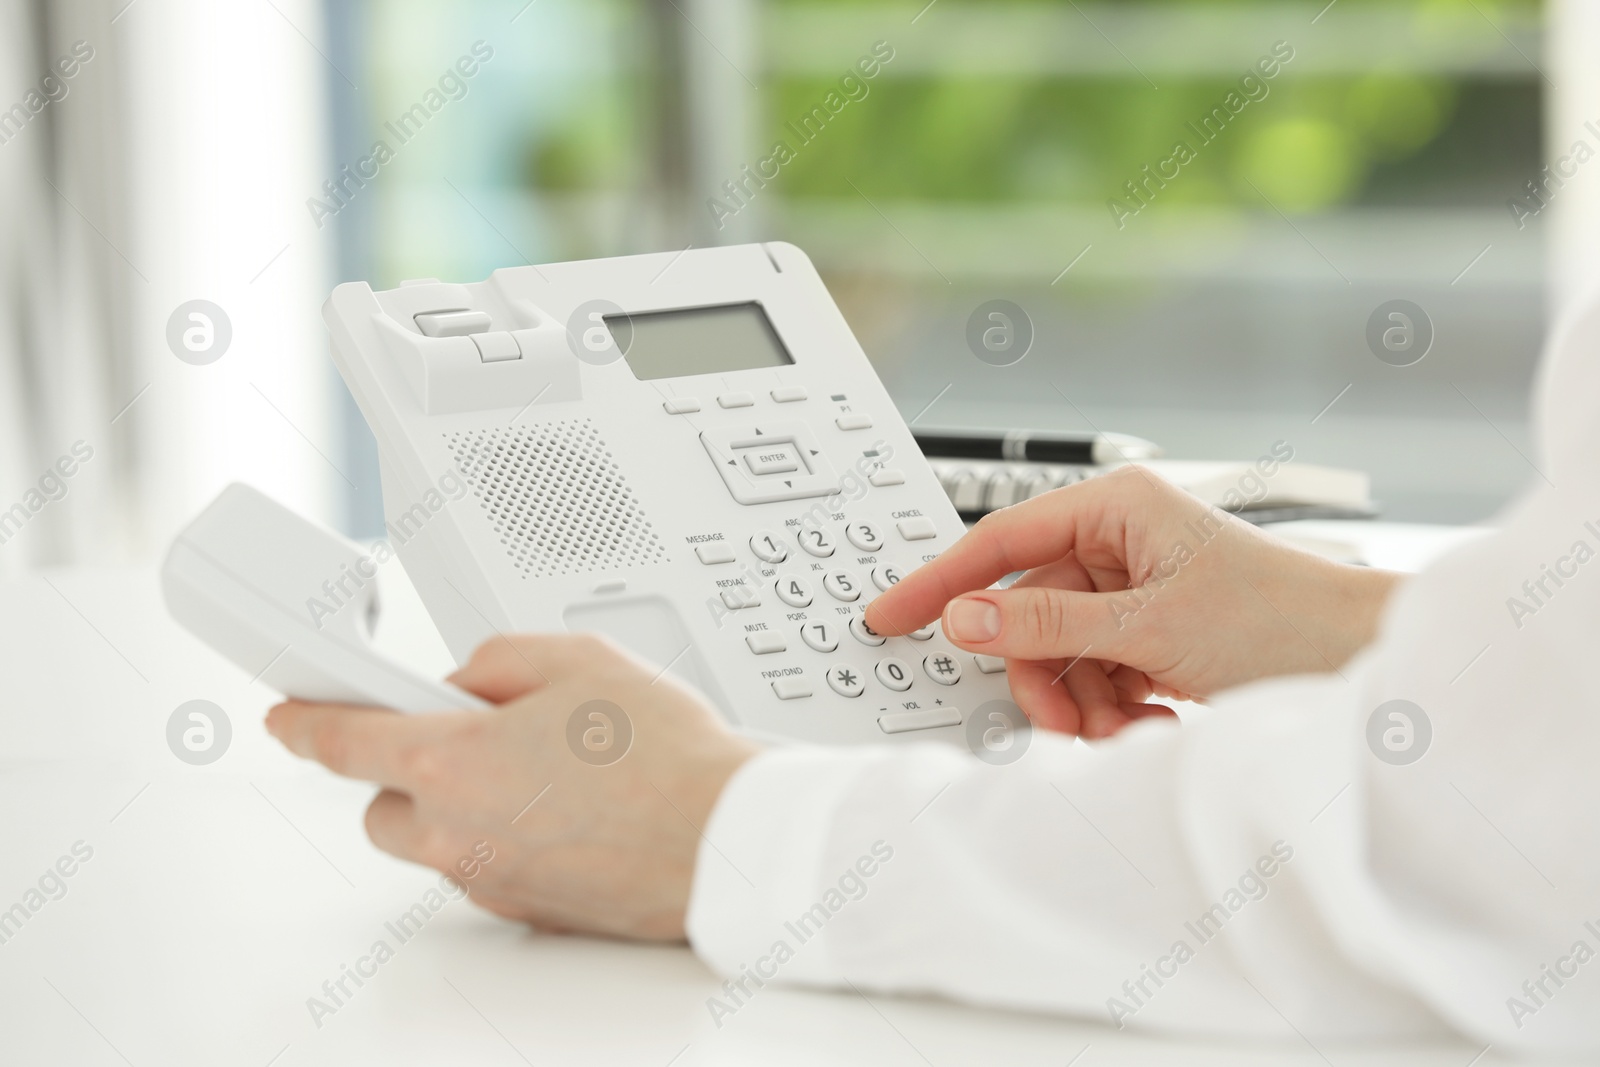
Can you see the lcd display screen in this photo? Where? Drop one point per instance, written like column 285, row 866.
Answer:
column 708, row 340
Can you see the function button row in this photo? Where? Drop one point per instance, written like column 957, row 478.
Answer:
column 919, row 528
column 990, row 664
column 739, row 597
column 854, row 420
column 883, row 476
column 688, row 405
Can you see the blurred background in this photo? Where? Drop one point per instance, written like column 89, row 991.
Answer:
column 229, row 151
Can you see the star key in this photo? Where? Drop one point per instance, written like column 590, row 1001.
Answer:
column 845, row 681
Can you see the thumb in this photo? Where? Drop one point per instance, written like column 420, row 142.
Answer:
column 1038, row 623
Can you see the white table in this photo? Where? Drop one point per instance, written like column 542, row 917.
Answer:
column 219, row 898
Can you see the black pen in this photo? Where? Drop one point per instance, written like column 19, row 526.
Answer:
column 1036, row 446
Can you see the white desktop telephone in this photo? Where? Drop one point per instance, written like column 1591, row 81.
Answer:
column 688, row 452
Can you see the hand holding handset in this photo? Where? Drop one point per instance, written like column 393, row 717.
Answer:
column 250, row 578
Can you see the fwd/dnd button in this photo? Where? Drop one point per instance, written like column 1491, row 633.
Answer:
column 791, row 688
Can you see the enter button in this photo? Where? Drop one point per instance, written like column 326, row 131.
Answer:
column 776, row 460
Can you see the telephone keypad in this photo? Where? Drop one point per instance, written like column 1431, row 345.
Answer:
column 891, row 675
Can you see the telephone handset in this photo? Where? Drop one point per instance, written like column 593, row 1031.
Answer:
column 688, row 452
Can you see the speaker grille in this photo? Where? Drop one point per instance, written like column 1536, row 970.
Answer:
column 556, row 498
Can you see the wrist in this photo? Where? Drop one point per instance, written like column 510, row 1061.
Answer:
column 1347, row 607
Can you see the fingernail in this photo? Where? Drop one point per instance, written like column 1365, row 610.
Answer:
column 972, row 620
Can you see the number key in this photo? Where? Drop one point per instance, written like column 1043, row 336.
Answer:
column 846, row 680
column 894, row 673
column 815, row 541
column 942, row 668
column 841, row 586
column 884, row 577
column 768, row 548
column 820, row 636
column 865, row 536
column 795, row 592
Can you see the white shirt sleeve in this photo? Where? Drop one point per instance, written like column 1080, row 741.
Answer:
column 1271, row 865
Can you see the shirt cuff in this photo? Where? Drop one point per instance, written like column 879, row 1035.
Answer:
column 761, row 857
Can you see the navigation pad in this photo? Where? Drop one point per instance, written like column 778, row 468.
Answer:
column 766, row 462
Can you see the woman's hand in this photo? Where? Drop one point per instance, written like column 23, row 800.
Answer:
column 592, row 830
column 1134, row 588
